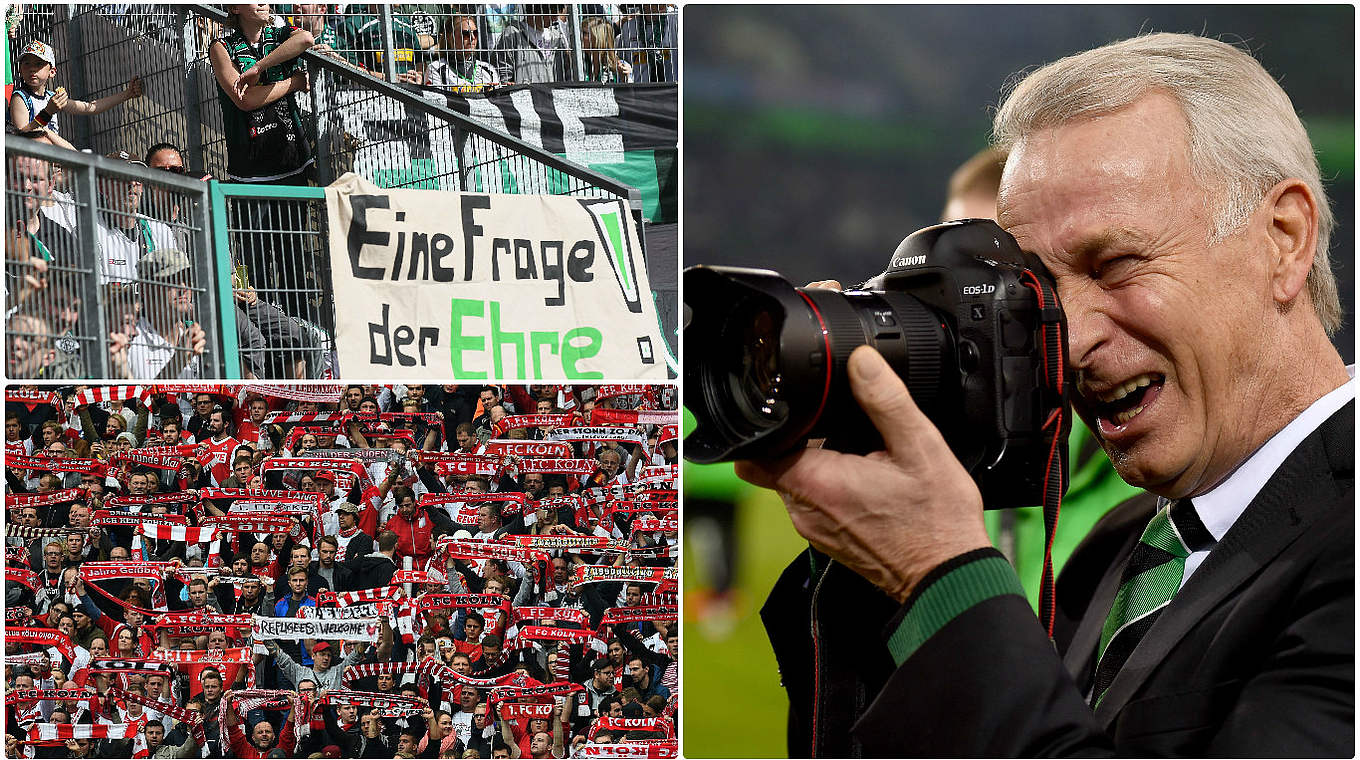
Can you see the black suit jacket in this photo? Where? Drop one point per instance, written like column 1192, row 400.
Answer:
column 1254, row 655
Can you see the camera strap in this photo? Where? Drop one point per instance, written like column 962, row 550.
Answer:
column 1055, row 473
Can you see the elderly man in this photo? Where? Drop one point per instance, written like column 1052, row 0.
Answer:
column 1171, row 190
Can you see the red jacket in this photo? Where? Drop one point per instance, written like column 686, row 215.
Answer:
column 242, row 748
column 414, row 536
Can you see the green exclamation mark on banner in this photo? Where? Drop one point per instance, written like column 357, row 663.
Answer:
column 611, row 225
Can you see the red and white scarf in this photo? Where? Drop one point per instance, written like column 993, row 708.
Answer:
column 513, row 502
column 603, row 416
column 26, row 397
column 647, row 614
column 180, row 501
column 192, row 719
column 320, row 393
column 228, row 662
column 115, row 393
column 606, row 573
column 549, row 633
column 296, row 418
column 656, row 525
column 473, row 549
column 427, row 602
column 235, row 626
column 560, row 688
column 652, row 472
column 419, row 577
column 48, row 499
column 606, row 392
column 43, row 637
column 606, row 723
column 526, row 711
column 92, row 572
column 389, row 706
column 513, row 447
column 105, row 518
column 46, row 732
column 369, row 670
column 445, row 464
column 516, row 421
column 575, row 543
column 185, row 533
column 564, row 614
column 248, row 523
column 578, row 467
column 598, row 433
column 84, row 694
column 56, row 464
column 154, row 459
column 345, row 598
column 655, row 750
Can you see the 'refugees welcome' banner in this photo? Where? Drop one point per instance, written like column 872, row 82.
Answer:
column 485, row 286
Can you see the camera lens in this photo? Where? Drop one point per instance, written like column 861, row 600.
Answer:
column 766, row 362
column 751, row 371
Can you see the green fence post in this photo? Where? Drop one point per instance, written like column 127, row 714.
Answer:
column 231, row 346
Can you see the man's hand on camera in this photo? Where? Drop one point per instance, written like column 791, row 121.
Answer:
column 891, row 516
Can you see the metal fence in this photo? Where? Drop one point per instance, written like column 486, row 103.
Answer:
column 397, row 138
column 534, row 44
column 278, row 280
column 101, row 48
column 269, row 240
column 108, row 269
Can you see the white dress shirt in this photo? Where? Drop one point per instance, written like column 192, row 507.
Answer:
column 1219, row 508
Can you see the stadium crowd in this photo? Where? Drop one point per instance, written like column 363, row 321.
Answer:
column 341, row 571
column 145, row 236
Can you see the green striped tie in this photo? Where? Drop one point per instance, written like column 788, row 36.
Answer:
column 1151, row 578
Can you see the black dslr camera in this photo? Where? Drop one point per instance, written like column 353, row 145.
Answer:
column 968, row 320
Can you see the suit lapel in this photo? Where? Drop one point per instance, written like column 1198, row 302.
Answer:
column 1082, row 651
column 1303, row 488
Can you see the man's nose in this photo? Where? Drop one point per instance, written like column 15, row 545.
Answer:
column 1088, row 322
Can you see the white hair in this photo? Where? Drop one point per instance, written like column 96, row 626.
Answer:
column 1244, row 134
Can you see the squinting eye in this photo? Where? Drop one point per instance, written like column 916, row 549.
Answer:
column 1114, row 268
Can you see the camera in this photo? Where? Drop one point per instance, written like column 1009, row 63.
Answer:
column 968, row 320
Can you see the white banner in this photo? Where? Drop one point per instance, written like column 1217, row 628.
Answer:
column 382, row 608
column 296, row 629
column 477, row 286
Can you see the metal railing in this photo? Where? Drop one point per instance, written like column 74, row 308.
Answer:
column 108, row 268
column 397, row 138
column 582, row 43
column 269, row 239
column 100, row 48
column 278, row 280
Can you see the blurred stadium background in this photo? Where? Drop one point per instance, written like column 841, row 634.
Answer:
column 816, row 137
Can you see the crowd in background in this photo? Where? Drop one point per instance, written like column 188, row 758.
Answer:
column 148, row 241
column 341, row 571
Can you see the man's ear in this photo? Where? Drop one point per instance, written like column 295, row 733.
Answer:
column 1292, row 226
